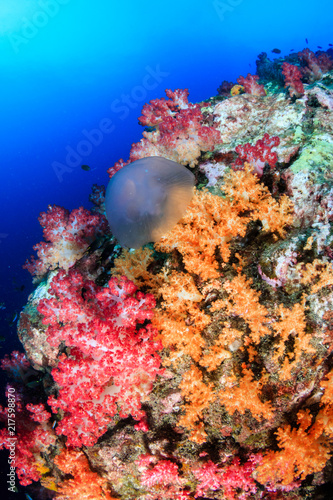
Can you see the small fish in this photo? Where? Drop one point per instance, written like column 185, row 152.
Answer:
column 276, row 51
column 108, row 250
column 291, row 50
column 13, row 319
column 306, row 40
column 330, row 44
column 33, row 384
column 28, row 496
column 2, row 306
column 85, row 167
column 95, row 245
column 319, row 47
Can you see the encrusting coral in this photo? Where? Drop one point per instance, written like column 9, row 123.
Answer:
column 200, row 366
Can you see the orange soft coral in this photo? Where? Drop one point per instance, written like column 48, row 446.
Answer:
column 202, row 238
column 180, row 320
column 291, row 324
column 212, row 221
column 244, row 395
column 198, row 395
column 318, row 274
column 302, row 452
column 134, row 265
column 243, row 301
column 86, row 484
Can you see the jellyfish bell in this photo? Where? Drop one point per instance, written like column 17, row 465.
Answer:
column 146, row 198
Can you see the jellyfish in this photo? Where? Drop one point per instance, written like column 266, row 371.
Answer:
column 146, row 198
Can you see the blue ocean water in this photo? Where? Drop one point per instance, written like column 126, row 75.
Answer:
column 75, row 75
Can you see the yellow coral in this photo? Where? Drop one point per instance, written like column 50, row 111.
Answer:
column 49, row 483
column 237, row 89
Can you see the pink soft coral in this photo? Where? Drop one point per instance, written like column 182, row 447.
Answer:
column 157, row 110
column 209, row 478
column 110, row 361
column 231, row 478
column 67, row 235
column 164, row 472
column 251, row 85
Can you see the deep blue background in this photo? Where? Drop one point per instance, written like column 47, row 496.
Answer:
column 66, row 64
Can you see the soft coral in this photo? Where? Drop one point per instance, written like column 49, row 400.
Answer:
column 110, row 360
column 179, row 131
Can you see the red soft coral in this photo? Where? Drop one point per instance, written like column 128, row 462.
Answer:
column 239, row 476
column 209, row 478
column 292, row 76
column 257, row 155
column 111, row 360
column 231, row 478
column 27, row 437
column 179, row 131
column 117, row 166
column 314, row 66
column 157, row 110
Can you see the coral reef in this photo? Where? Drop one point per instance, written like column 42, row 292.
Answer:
column 293, row 80
column 251, row 85
column 176, row 131
column 225, row 88
column 200, row 366
column 67, row 237
column 98, row 325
